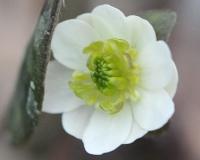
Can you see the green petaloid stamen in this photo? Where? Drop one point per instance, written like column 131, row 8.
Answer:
column 112, row 75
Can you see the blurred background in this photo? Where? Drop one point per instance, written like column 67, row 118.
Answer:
column 49, row 142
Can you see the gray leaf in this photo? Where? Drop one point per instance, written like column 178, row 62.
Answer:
column 27, row 99
column 163, row 22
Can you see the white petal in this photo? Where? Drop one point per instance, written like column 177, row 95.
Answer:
column 103, row 29
column 58, row 97
column 109, row 22
column 76, row 121
column 136, row 131
column 69, row 39
column 155, row 62
column 112, row 16
column 107, row 132
column 172, row 85
column 139, row 32
column 154, row 109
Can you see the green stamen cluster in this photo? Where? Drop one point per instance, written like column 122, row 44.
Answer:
column 112, row 75
column 99, row 75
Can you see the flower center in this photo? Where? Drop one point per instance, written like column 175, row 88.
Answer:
column 100, row 75
column 112, row 75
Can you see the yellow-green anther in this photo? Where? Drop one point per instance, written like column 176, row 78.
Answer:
column 112, row 75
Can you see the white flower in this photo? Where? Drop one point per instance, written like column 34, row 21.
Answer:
column 112, row 80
